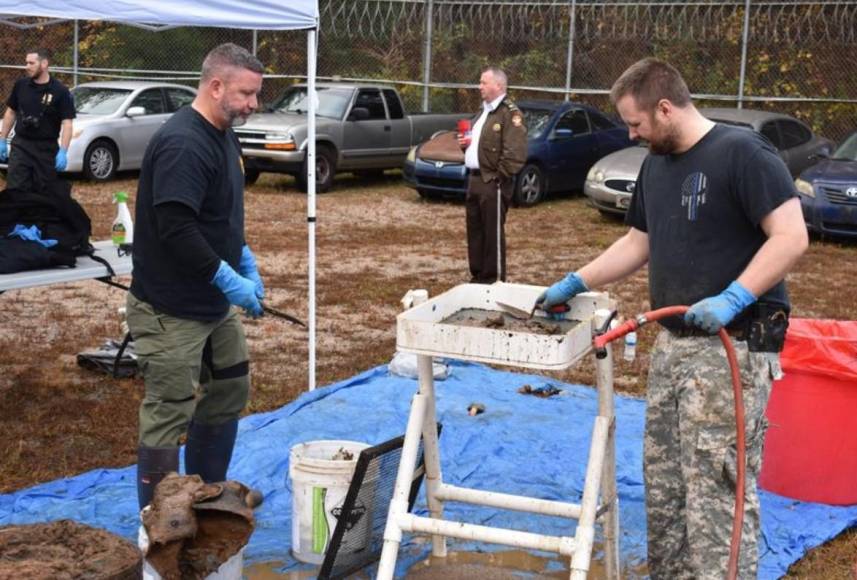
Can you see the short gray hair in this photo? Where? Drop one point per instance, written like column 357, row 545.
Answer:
column 498, row 74
column 228, row 55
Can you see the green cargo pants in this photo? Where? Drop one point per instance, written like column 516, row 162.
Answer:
column 192, row 370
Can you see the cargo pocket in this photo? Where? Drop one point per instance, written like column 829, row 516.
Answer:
column 147, row 329
column 715, row 456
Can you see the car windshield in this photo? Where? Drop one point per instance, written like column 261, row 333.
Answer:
column 536, row 121
column 332, row 101
column 848, row 150
column 98, row 100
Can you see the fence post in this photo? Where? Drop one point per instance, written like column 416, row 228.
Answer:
column 255, row 41
column 569, row 61
column 75, row 53
column 744, row 41
column 427, row 55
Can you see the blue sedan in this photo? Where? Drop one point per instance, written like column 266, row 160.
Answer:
column 828, row 192
column 565, row 140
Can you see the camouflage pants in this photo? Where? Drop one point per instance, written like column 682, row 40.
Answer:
column 690, row 455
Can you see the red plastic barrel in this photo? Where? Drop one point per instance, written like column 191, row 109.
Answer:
column 811, row 444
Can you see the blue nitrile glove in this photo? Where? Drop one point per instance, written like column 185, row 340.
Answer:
column 562, row 291
column 32, row 234
column 4, row 150
column 247, row 268
column 239, row 291
column 62, row 160
column 712, row 314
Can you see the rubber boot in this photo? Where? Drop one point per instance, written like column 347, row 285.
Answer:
column 209, row 450
column 153, row 464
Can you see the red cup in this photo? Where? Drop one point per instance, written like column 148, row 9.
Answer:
column 465, row 131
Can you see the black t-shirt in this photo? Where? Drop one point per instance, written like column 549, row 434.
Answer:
column 191, row 162
column 702, row 211
column 46, row 106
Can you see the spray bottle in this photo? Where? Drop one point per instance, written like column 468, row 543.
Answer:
column 123, row 227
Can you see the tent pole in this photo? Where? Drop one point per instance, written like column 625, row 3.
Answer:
column 310, row 168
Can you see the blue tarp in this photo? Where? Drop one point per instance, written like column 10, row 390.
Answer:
column 520, row 444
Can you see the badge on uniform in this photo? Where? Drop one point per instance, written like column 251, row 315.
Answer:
column 496, row 126
column 517, row 121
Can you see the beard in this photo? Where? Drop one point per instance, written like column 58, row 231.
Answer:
column 665, row 143
column 234, row 117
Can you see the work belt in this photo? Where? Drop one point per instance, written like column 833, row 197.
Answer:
column 764, row 328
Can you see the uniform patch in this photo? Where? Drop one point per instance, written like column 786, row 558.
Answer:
column 517, row 121
column 496, row 126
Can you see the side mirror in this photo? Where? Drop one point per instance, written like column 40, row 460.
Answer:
column 563, row 134
column 358, row 114
column 135, row 112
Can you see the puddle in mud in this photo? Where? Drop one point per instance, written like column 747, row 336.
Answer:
column 478, row 318
column 504, row 565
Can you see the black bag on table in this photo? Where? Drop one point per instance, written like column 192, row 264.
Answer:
column 57, row 215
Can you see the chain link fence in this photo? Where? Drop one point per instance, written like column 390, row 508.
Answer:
column 791, row 56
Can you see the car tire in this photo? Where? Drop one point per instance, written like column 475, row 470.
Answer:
column 100, row 161
column 251, row 176
column 529, row 186
column 325, row 169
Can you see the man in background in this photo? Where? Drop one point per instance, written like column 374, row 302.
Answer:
column 41, row 109
column 494, row 154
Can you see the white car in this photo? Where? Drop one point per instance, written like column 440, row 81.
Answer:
column 115, row 121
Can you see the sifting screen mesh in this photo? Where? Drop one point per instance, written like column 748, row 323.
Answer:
column 359, row 534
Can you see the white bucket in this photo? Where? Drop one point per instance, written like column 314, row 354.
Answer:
column 319, row 486
column 231, row 569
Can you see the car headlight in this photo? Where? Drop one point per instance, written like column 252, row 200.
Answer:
column 804, row 187
column 280, row 141
column 412, row 155
column 595, row 174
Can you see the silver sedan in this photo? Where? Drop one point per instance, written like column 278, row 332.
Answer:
column 612, row 179
column 115, row 121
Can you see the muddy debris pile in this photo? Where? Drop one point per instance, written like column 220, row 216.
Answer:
column 66, row 550
column 474, row 317
column 193, row 527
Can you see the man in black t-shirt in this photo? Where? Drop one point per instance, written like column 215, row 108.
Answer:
column 41, row 109
column 191, row 265
column 716, row 218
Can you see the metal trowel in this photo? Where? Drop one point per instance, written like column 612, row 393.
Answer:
column 516, row 299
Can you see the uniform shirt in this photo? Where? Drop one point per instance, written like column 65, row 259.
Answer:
column 49, row 102
column 471, row 154
column 702, row 211
column 191, row 162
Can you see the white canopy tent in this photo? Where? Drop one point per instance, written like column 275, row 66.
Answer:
column 245, row 14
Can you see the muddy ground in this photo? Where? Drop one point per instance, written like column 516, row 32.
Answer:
column 376, row 239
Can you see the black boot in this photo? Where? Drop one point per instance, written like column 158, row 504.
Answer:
column 153, row 464
column 209, row 449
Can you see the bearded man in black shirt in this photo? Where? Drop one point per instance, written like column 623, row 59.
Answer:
column 41, row 109
column 192, row 266
column 716, row 217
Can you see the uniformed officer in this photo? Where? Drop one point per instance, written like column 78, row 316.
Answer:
column 495, row 153
column 41, row 108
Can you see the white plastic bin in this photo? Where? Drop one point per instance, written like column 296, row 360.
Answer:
column 319, row 486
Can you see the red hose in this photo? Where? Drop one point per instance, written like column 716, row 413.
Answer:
column 602, row 340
